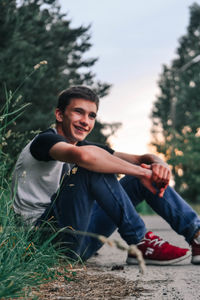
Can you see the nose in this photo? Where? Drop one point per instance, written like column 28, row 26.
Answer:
column 84, row 120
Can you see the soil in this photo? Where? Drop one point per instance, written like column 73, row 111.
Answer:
column 89, row 284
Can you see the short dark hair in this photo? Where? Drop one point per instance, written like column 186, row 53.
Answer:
column 78, row 91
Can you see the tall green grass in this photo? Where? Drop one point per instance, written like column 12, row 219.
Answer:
column 26, row 257
column 25, row 261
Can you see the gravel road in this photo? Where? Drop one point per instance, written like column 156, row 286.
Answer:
column 179, row 281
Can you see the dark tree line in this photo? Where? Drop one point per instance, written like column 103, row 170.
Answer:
column 32, row 31
column 176, row 111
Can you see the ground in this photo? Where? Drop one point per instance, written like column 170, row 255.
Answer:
column 106, row 276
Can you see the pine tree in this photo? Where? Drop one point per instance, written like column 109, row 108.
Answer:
column 35, row 31
column 176, row 112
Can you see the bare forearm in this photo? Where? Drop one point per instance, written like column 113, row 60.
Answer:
column 150, row 159
column 95, row 159
column 99, row 160
column 139, row 159
column 161, row 172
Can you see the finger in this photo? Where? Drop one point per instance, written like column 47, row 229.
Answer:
column 167, row 175
column 156, row 177
column 145, row 166
column 160, row 174
column 162, row 191
column 156, row 172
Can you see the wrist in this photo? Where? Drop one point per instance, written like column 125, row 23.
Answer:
column 143, row 173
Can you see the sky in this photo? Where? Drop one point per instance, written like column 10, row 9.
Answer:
column 133, row 40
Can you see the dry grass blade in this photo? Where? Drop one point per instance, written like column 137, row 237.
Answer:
column 132, row 249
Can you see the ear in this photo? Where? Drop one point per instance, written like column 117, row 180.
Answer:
column 59, row 115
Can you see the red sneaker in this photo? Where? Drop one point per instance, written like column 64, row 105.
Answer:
column 155, row 251
column 195, row 253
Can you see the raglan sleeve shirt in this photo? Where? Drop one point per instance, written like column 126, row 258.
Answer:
column 37, row 175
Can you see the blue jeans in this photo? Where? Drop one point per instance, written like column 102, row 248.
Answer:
column 99, row 203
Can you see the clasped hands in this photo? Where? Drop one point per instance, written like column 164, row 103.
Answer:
column 160, row 177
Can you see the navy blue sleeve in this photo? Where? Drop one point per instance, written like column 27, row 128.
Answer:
column 42, row 143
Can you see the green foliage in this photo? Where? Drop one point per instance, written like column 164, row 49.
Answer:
column 36, row 31
column 144, row 209
column 27, row 256
column 9, row 114
column 175, row 115
column 102, row 131
column 30, row 34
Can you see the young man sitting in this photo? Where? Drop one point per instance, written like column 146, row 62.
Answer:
column 90, row 197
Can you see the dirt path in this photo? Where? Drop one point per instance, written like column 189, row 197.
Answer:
column 108, row 277
column 180, row 281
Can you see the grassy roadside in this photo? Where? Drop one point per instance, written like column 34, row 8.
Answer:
column 27, row 259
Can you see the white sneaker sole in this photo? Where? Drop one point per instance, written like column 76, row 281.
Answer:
column 133, row 261
column 195, row 260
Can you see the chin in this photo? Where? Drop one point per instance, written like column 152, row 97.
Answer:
column 79, row 138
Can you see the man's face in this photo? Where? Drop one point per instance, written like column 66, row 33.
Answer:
column 78, row 120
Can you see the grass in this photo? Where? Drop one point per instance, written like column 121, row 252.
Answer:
column 27, row 259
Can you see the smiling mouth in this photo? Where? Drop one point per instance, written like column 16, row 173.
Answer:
column 81, row 129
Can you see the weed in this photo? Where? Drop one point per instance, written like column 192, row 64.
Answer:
column 26, row 259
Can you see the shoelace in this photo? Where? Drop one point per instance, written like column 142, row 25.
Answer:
column 156, row 241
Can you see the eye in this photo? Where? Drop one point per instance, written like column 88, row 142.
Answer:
column 92, row 116
column 78, row 110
